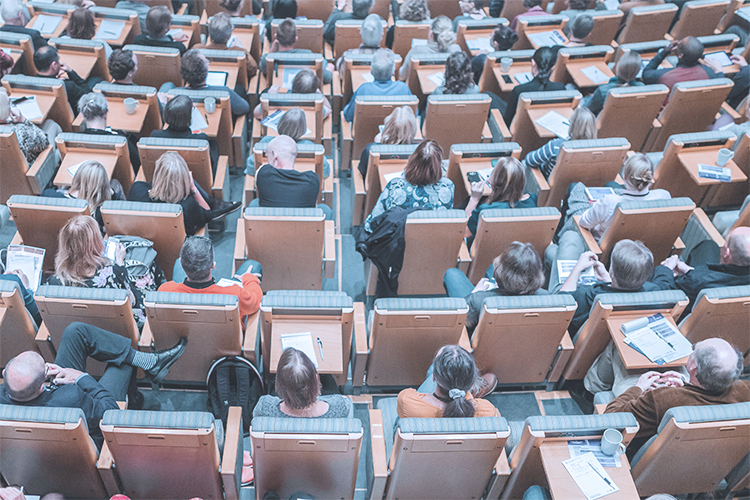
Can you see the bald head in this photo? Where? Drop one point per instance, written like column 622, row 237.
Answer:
column 689, row 50
column 715, row 365
column 736, row 249
column 281, row 152
column 24, row 376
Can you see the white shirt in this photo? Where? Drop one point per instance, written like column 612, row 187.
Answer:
column 598, row 217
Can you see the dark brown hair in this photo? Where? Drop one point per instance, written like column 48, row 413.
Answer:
column 81, row 24
column 519, row 270
column 178, row 112
column 425, row 165
column 158, row 20
column 194, row 68
column 297, row 381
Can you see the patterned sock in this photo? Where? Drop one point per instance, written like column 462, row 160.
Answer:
column 145, row 360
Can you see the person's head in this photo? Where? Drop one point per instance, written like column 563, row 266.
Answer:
column 231, row 6
column 91, row 183
column 715, row 365
column 507, row 181
column 285, row 8
column 543, row 61
column 282, row 152
column 24, row 376
column 736, row 249
column 529, row 4
column 519, row 270
column 383, row 65
column 286, row 33
column 6, row 64
column 578, row 4
column 197, row 258
column 503, row 38
column 194, row 68
column 631, row 265
column 297, row 381
column 689, row 51
column 81, row 24
column 158, row 20
column 4, row 106
column 371, row 31
column 93, row 107
column 454, row 373
column 122, row 65
column 582, row 125
column 638, row 172
column 293, row 124
column 468, row 6
column 305, row 82
column 80, row 250
column 220, row 28
column 582, row 26
column 425, row 165
column 13, row 12
column 414, row 11
column 399, row 127
column 361, row 8
column 47, row 60
column 171, row 183
column 178, row 112
column 628, row 66
column 441, row 32
column 458, row 73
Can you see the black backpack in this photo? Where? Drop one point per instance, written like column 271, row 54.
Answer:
column 234, row 381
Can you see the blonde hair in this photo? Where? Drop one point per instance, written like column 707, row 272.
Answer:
column 400, row 126
column 92, row 184
column 582, row 124
column 442, row 33
column 507, row 180
column 638, row 172
column 79, row 253
column 4, row 106
column 171, row 181
column 628, row 66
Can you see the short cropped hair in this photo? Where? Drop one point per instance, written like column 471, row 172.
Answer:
column 286, row 33
column 582, row 26
column 120, row 63
column 194, row 68
column 532, row 3
column 305, row 82
column 158, row 20
column 632, row 264
column 711, row 373
column 383, row 65
column 197, row 257
column 519, row 269
column 297, row 381
column 220, row 28
column 178, row 113
column 691, row 50
column 44, row 57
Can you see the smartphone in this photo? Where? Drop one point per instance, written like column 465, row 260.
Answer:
column 474, row 177
column 111, row 248
column 507, row 79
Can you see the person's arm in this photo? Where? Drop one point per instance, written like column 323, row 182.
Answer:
column 510, row 110
column 541, row 156
column 329, row 29
column 197, row 194
column 596, row 214
column 741, row 82
column 477, row 190
column 639, row 401
column 403, row 71
column 96, row 398
column 239, row 105
column 349, row 108
column 663, row 277
column 585, row 261
column 652, row 73
column 251, row 294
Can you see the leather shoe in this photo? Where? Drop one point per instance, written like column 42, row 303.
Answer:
column 165, row 359
column 484, row 385
column 222, row 208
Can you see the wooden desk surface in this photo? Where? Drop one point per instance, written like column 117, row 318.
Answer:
column 632, row 359
column 328, row 331
column 119, row 118
column 63, row 177
column 81, row 63
column 475, row 166
column 537, row 113
column 120, row 41
column 230, row 69
column 477, row 35
column 58, row 31
column 45, row 102
column 582, row 81
column 358, row 76
column 516, row 68
column 691, row 159
column 213, row 119
column 428, row 86
column 544, row 29
column 561, row 483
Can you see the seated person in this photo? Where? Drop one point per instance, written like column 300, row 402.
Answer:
column 177, row 115
column 25, row 375
column 31, row 139
column 470, row 9
column 517, row 271
column 400, row 127
column 626, row 72
column 371, row 32
column 582, row 127
column 81, row 26
column 48, row 65
column 459, row 78
column 507, row 182
column 580, row 28
column 304, row 82
column 413, row 11
column 197, row 262
column 447, row 391
column 173, row 183
column 421, row 185
column 689, row 52
column 286, row 37
column 382, row 69
column 293, row 124
column 741, row 82
column 502, row 39
column 280, row 10
column 359, row 10
column 440, row 40
column 90, row 183
column 95, row 111
column 298, row 387
column 14, row 15
column 533, row 8
column 542, row 64
column 123, row 65
column 80, row 261
column 220, row 36
column 158, row 20
column 235, row 8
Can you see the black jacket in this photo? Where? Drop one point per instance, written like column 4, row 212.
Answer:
column 37, row 40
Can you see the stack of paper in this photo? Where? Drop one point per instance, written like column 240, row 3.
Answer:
column 368, row 77
column 578, row 448
column 524, row 77
column 437, row 78
column 722, row 174
column 658, row 339
column 302, row 342
column 197, row 121
column 485, row 173
column 547, row 38
column 74, row 169
column 590, row 476
column 415, row 42
column 389, row 177
column 29, row 108
column 175, row 33
column 289, row 75
column 555, row 123
column 594, row 74
column 479, row 44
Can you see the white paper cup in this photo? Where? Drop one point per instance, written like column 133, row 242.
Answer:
column 130, row 105
column 724, row 156
column 505, row 64
column 210, row 104
column 612, row 442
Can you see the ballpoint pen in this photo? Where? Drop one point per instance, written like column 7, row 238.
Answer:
column 600, row 475
column 320, row 348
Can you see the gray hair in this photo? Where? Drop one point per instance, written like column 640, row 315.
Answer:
column 711, row 373
column 383, row 65
column 372, row 30
column 220, row 28
column 10, row 9
column 93, row 105
column 632, row 264
column 197, row 257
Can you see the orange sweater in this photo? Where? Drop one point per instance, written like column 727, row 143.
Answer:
column 411, row 404
column 249, row 293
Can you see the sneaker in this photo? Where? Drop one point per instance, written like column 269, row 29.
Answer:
column 484, row 385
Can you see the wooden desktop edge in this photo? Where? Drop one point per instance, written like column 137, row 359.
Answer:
column 229, row 458
column 379, row 458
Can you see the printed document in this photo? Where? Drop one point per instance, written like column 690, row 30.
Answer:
column 555, row 123
column 302, row 342
column 590, row 476
column 28, row 260
column 578, row 448
column 29, row 108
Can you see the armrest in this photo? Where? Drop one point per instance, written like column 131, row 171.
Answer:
column 359, row 194
column 147, row 338
column 379, row 460
column 564, row 352
column 43, row 341
column 251, row 338
column 42, row 171
column 464, row 341
column 588, row 238
column 249, row 189
column 500, row 477
column 678, row 246
column 361, row 350
column 239, row 141
column 105, row 467
column 536, row 184
column 17, row 239
column 701, row 218
column 599, row 409
column 464, row 258
column 239, row 244
column 347, row 142
column 498, row 128
column 329, row 250
column 486, row 132
column 231, row 461
column 726, row 108
column 221, row 181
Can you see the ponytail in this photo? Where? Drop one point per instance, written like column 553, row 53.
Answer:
column 545, row 59
column 454, row 373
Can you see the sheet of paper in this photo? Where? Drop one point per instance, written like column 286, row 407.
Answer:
column 437, row 78
column 197, row 121
column 217, row 78
column 720, row 57
column 644, row 63
column 555, row 123
column 302, row 342
column 74, row 169
column 28, row 260
column 389, row 177
column 681, row 346
column 272, row 121
column 109, row 30
column 649, row 343
column 612, row 4
column 368, row 77
column 565, row 267
column 289, row 74
column 594, row 74
column 6, row 50
column 547, row 38
column 578, row 448
column 29, row 108
column 175, row 32
column 417, row 41
column 524, row 77
column 479, row 44
column 590, row 476
column 46, row 25
column 224, row 282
